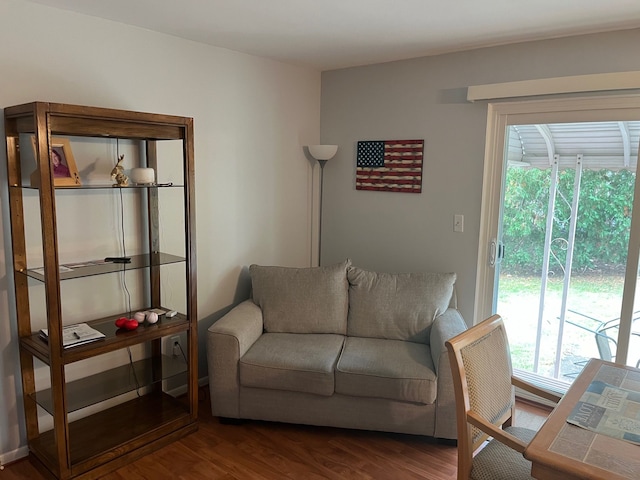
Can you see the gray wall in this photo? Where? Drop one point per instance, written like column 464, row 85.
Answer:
column 426, row 98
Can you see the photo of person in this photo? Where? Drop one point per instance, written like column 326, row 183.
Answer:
column 63, row 166
column 60, row 169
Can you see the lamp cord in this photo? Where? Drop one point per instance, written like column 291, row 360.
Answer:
column 123, row 274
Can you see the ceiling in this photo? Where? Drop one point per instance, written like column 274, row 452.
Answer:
column 330, row 34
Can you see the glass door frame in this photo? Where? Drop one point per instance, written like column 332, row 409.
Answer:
column 562, row 110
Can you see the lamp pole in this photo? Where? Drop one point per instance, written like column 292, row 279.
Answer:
column 321, row 153
column 322, row 164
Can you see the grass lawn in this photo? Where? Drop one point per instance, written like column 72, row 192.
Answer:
column 596, row 296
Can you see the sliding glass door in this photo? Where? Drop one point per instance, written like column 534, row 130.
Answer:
column 566, row 220
column 560, row 262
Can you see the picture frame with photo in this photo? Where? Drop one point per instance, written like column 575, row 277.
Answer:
column 63, row 165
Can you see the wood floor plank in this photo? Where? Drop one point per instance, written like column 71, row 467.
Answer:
column 256, row 450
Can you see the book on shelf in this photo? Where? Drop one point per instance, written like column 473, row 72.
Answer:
column 74, row 335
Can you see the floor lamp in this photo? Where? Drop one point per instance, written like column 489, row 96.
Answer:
column 321, row 153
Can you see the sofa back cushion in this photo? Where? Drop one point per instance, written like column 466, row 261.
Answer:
column 302, row 300
column 396, row 306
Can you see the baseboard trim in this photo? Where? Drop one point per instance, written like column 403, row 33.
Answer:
column 9, row 457
column 182, row 389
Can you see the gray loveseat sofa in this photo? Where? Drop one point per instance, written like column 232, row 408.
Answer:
column 338, row 346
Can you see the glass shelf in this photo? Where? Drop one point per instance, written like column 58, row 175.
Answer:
column 117, row 381
column 99, row 268
column 105, row 186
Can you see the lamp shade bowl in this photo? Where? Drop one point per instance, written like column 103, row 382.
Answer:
column 322, row 152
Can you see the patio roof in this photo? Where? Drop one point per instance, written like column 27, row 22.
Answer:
column 603, row 145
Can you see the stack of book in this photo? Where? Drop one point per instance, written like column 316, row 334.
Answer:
column 74, row 335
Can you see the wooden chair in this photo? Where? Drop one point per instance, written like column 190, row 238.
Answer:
column 485, row 404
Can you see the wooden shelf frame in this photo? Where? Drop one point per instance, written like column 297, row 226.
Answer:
column 104, row 186
column 58, row 452
column 130, row 430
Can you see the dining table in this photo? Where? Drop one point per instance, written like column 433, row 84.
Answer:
column 603, row 406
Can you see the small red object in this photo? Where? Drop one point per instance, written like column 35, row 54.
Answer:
column 131, row 324
column 121, row 321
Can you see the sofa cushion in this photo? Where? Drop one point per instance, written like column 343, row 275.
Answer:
column 396, row 306
column 392, row 369
column 292, row 361
column 302, row 300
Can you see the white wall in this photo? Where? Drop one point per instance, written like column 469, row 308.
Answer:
column 426, row 98
column 252, row 116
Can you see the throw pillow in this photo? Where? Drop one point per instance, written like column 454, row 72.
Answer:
column 398, row 306
column 302, row 300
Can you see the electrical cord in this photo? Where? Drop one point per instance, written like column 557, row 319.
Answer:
column 133, row 371
column 123, row 276
column 182, row 351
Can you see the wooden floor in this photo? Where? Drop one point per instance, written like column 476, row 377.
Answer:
column 269, row 451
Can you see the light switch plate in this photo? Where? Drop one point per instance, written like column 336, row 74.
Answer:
column 458, row 223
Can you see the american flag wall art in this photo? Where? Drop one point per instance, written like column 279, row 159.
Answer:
column 390, row 165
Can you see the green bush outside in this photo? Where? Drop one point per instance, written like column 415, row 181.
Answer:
column 604, row 220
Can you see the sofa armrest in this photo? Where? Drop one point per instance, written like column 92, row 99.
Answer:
column 446, row 326
column 227, row 341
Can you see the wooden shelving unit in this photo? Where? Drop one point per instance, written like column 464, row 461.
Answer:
column 107, row 437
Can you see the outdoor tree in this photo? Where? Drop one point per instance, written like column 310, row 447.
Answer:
column 604, row 220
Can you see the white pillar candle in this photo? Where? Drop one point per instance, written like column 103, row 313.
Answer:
column 143, row 175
